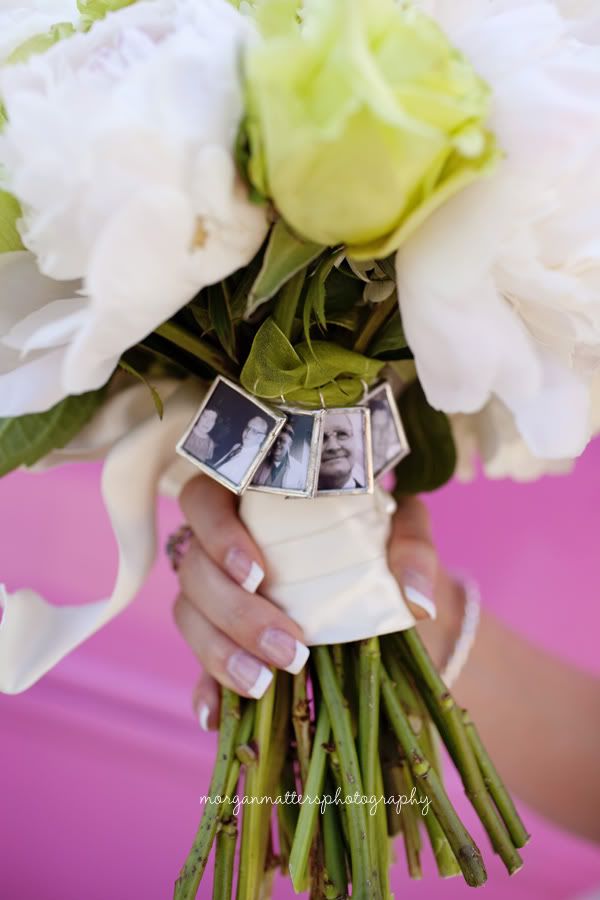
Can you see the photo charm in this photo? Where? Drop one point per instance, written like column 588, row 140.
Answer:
column 346, row 465
column 291, row 466
column 230, row 435
column 388, row 439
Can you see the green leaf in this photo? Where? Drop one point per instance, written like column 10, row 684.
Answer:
column 242, row 285
column 201, row 317
column 26, row 439
column 221, row 320
column 157, row 399
column 314, row 303
column 39, row 43
column 432, row 458
column 10, row 213
column 390, row 339
column 322, row 374
column 286, row 305
column 93, row 10
column 285, row 255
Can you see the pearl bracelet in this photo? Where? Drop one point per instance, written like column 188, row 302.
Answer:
column 466, row 638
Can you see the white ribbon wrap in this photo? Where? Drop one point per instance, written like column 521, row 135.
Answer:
column 326, row 557
column 327, row 563
column 35, row 635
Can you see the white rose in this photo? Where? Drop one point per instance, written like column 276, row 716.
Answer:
column 500, row 289
column 119, row 149
column 18, row 22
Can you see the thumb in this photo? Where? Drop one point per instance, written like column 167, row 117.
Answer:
column 412, row 557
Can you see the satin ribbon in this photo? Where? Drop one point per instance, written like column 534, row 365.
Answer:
column 327, row 565
column 326, row 557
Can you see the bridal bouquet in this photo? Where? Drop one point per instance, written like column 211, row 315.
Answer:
column 296, row 246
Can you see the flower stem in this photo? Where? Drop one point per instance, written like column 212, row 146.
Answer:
column 374, row 323
column 369, row 659
column 186, row 885
column 465, row 849
column 365, row 885
column 448, row 718
column 197, row 347
column 410, row 824
column 255, row 825
column 499, row 794
column 301, row 722
column 308, row 811
column 335, row 878
column 423, row 728
column 225, row 855
column 383, row 840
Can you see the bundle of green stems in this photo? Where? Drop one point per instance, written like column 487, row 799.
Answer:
column 318, row 776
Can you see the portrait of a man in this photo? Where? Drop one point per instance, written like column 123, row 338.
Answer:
column 236, row 462
column 387, row 434
column 231, row 435
column 345, row 462
column 290, row 465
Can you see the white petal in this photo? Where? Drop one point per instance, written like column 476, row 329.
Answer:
column 51, row 326
column 24, row 290
column 138, row 277
column 556, row 423
column 31, row 386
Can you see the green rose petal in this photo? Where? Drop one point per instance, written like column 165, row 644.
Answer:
column 362, row 119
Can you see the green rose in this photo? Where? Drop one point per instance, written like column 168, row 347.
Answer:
column 361, row 120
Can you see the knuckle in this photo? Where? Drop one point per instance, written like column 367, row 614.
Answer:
column 244, row 618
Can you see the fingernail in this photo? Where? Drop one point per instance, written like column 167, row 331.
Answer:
column 203, row 716
column 249, row 674
column 284, row 650
column 419, row 590
column 244, row 570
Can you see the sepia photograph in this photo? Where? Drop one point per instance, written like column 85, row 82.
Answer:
column 388, row 439
column 230, row 435
column 346, row 465
column 291, row 465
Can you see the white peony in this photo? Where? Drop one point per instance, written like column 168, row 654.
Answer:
column 119, row 148
column 500, row 289
column 19, row 23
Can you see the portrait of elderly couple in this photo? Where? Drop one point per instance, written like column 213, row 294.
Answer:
column 243, row 443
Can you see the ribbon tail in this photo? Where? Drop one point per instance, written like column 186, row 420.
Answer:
column 34, row 634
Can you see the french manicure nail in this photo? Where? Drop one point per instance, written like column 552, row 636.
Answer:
column 419, row 590
column 284, row 650
column 250, row 675
column 244, row 570
column 203, row 716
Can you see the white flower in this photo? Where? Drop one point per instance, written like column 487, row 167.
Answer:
column 119, row 148
column 19, row 22
column 491, row 437
column 500, row 289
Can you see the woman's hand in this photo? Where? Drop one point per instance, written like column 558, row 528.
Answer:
column 223, row 612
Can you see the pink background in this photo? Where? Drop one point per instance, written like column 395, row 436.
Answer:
column 102, row 762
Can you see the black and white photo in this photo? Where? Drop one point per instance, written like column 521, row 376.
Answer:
column 346, row 464
column 230, row 435
column 291, row 465
column 387, row 434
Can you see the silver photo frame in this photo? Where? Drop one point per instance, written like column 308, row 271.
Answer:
column 301, row 478
column 388, row 438
column 358, row 472
column 238, row 447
